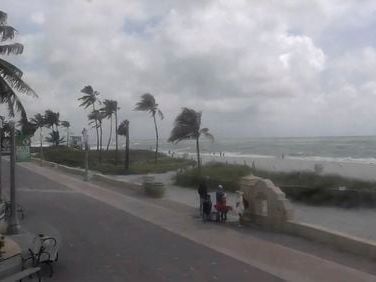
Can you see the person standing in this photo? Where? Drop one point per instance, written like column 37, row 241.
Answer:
column 202, row 192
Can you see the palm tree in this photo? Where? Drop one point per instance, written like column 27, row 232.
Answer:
column 89, row 100
column 109, row 109
column 187, row 126
column 39, row 121
column 52, row 120
column 148, row 104
column 10, row 75
column 54, row 138
column 96, row 119
column 66, row 124
column 124, row 131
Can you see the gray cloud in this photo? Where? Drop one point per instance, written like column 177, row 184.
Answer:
column 256, row 68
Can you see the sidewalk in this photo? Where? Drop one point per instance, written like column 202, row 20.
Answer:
column 284, row 262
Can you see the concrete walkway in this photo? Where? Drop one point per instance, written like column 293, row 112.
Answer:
column 281, row 261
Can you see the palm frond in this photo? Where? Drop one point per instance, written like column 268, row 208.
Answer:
column 12, row 76
column 3, row 17
column 14, row 48
column 161, row 115
column 147, row 103
column 205, row 132
column 7, row 32
column 186, row 125
column 10, row 69
column 122, row 129
column 38, row 120
column 8, row 96
column 65, row 123
column 88, row 90
column 109, row 108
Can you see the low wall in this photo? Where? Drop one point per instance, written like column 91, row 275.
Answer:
column 116, row 182
column 335, row 239
column 68, row 169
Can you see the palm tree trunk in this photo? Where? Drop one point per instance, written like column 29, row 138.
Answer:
column 126, row 160
column 96, row 129
column 156, row 137
column 41, row 143
column 100, row 142
column 109, row 139
column 58, row 135
column 116, row 138
column 198, row 155
column 67, row 136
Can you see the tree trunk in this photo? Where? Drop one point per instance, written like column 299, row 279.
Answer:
column 67, row 136
column 109, row 139
column 198, row 155
column 100, row 142
column 96, row 129
column 126, row 160
column 116, row 138
column 41, row 143
column 156, row 141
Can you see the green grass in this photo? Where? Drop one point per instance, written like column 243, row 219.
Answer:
column 218, row 173
column 141, row 161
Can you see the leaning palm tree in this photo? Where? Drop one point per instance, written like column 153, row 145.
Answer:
column 52, row 120
column 89, row 100
column 124, row 131
column 39, row 121
column 96, row 119
column 66, row 124
column 187, row 126
column 109, row 110
column 148, row 104
column 10, row 75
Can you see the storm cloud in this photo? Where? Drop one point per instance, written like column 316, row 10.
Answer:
column 255, row 68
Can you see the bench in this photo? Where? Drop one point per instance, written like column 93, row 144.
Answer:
column 46, row 252
column 23, row 274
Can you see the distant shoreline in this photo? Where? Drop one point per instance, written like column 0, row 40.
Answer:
column 357, row 170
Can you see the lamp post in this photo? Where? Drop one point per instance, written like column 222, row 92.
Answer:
column 86, row 142
column 13, row 225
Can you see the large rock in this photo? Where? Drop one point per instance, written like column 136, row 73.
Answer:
column 264, row 204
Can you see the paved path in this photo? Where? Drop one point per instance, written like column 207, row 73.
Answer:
column 359, row 222
column 109, row 229
column 103, row 243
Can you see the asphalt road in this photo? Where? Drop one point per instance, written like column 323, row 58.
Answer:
column 101, row 243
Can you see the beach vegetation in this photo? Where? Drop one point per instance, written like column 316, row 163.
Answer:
column 141, row 161
column 302, row 186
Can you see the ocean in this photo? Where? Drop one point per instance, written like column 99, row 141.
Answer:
column 358, row 149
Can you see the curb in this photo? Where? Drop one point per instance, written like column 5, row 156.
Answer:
column 338, row 240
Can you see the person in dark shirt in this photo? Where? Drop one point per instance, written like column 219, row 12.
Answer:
column 202, row 192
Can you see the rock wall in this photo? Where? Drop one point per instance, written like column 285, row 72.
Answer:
column 264, row 204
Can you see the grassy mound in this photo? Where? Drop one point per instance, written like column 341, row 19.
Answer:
column 141, row 161
column 218, row 173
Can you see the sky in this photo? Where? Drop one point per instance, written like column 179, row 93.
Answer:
column 254, row 68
